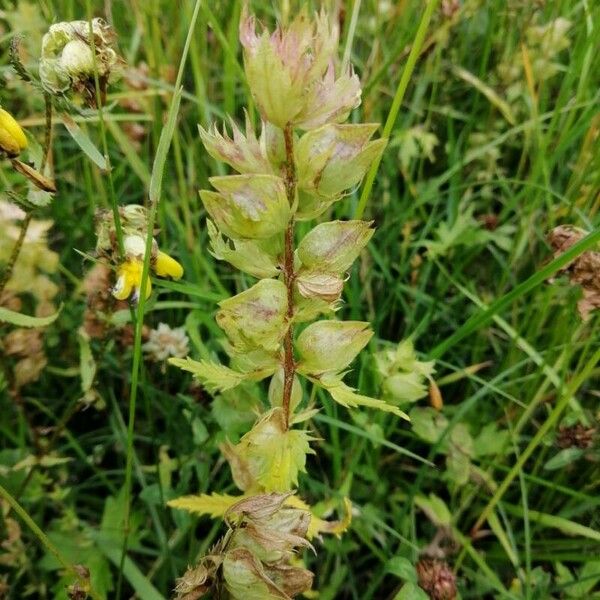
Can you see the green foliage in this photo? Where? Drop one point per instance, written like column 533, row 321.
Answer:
column 466, row 231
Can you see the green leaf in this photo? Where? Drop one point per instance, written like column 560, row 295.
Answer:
column 139, row 582
column 235, row 410
column 21, row 320
column 87, row 364
column 487, row 91
column 162, row 151
column 467, row 231
column 402, row 568
column 405, row 377
column 405, row 387
column 503, row 538
column 561, row 523
column 458, row 466
column 347, row 396
column 435, row 509
column 428, row 423
column 215, row 505
column 405, row 358
column 215, row 377
column 563, row 458
column 587, row 578
column 82, row 139
column 411, row 591
column 490, row 441
column 414, row 143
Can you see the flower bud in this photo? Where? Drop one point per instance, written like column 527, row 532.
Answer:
column 291, row 73
column 437, row 579
column 12, row 137
column 198, row 580
column 165, row 342
column 134, row 246
column 134, row 218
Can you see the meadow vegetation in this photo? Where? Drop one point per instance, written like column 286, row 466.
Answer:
column 421, row 220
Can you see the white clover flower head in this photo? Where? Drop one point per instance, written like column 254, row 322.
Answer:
column 165, row 342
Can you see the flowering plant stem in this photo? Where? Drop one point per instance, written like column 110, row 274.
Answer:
column 289, row 366
column 154, row 196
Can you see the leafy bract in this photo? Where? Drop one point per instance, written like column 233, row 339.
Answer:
column 245, row 153
column 270, row 456
column 215, row 505
column 346, row 396
column 214, row 377
column 248, row 206
column 334, row 158
column 245, row 255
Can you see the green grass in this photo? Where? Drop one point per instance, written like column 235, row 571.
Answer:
column 476, row 302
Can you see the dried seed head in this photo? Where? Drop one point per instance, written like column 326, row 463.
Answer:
column 70, row 56
column 23, row 342
column 198, row 580
column 576, row 436
column 437, row 579
column 583, row 271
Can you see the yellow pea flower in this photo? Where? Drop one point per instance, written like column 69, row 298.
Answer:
column 166, row 266
column 129, row 279
column 129, row 272
column 12, row 137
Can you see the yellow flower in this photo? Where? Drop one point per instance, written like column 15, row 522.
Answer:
column 129, row 273
column 166, row 266
column 129, row 279
column 12, row 137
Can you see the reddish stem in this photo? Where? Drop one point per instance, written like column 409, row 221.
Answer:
column 289, row 364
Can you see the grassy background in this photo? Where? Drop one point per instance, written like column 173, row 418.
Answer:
column 511, row 157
